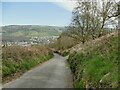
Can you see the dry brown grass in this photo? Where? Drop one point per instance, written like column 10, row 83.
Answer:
column 20, row 59
column 91, row 43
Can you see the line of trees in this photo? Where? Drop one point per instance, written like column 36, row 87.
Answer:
column 91, row 18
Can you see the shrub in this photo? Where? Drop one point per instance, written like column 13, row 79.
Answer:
column 97, row 65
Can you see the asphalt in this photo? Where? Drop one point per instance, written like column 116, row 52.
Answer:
column 54, row 73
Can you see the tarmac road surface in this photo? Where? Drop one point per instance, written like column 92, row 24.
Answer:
column 52, row 74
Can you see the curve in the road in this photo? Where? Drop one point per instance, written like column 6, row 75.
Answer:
column 52, row 74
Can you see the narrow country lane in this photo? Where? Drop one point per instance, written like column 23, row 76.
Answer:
column 52, row 74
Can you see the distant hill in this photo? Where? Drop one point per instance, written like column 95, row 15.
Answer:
column 24, row 32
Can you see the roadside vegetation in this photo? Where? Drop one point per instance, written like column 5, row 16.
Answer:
column 63, row 43
column 89, row 21
column 96, row 65
column 18, row 59
column 91, row 41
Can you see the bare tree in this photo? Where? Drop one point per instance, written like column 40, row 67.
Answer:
column 90, row 18
column 94, row 19
column 107, row 10
column 81, row 19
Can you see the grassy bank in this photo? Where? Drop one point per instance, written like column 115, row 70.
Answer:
column 96, row 66
column 20, row 59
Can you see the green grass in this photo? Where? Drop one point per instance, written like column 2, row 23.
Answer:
column 28, row 64
column 20, row 59
column 97, row 66
column 11, row 67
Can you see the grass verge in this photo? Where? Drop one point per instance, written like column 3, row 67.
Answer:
column 21, row 59
column 96, row 66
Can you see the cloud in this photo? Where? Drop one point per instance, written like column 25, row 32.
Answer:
column 66, row 4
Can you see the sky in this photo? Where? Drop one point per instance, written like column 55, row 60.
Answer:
column 55, row 13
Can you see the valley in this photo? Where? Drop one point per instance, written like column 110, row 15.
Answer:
column 26, row 35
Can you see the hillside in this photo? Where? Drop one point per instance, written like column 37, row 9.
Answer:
column 24, row 32
column 95, row 64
